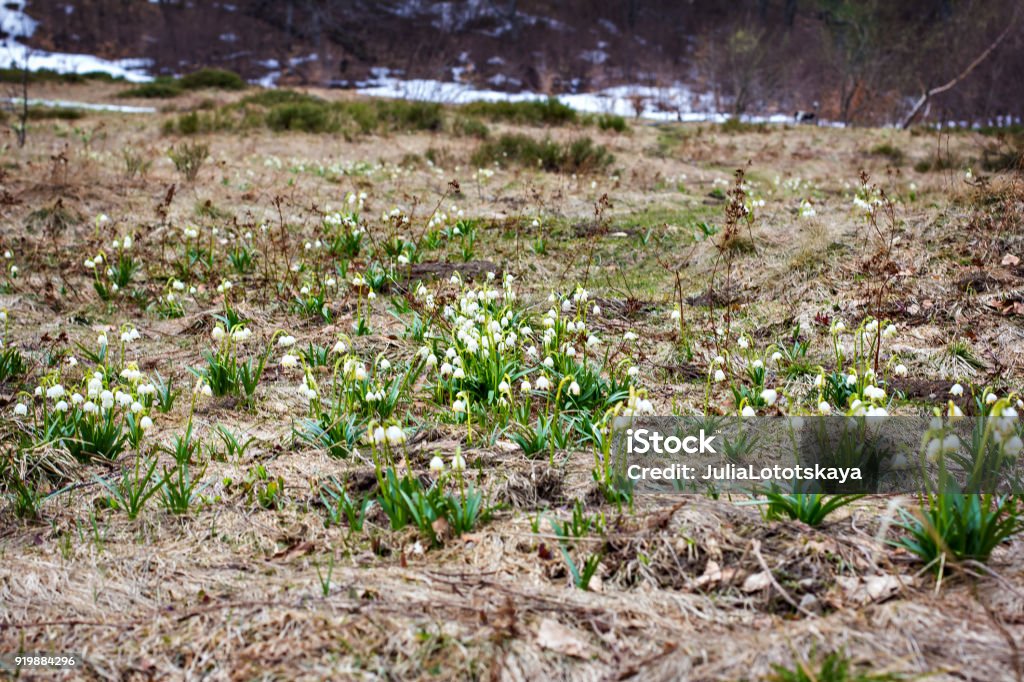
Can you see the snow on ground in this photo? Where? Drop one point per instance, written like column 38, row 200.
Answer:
column 91, row 106
column 673, row 103
column 15, row 23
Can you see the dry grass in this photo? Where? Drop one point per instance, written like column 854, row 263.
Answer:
column 231, row 591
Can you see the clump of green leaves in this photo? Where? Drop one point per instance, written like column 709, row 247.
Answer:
column 953, row 527
column 811, row 508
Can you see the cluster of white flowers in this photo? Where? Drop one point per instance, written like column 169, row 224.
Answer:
column 806, row 209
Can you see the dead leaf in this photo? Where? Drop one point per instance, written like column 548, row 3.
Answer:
column 554, row 636
column 1010, row 259
column 871, row 588
column 756, row 582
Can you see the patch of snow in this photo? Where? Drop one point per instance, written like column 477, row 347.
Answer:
column 17, row 24
column 673, row 103
column 91, row 106
column 14, row 22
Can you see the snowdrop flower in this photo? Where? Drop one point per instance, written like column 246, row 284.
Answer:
column 629, row 336
column 954, row 412
column 289, row 361
column 956, row 390
column 633, row 372
column 769, row 396
column 824, row 407
column 1013, row 446
column 436, row 464
column 990, row 398
column 776, row 356
column 61, row 406
column 503, row 387
column 549, row 362
column 525, row 387
column 719, row 376
column 90, row 407
column 458, row 462
column 874, row 393
column 574, row 388
column 596, row 310
column 20, row 410
column 55, row 392
column 743, row 343
column 900, row 370
column 542, row 383
column 285, row 340
column 459, row 406
column 146, row 423
column 395, row 435
column 218, row 333
column 458, row 373
column 747, row 411
column 384, row 365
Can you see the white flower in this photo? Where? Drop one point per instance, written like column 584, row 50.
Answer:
column 503, row 387
column 20, row 410
column 874, row 393
column 824, row 407
column 990, row 398
column 285, row 340
column 956, row 389
column 629, row 336
column 436, row 464
column 458, row 462
column 218, row 333
column 769, row 396
column 145, row 423
column 61, row 406
column 1013, row 446
column 395, row 435
column 459, row 373
column 743, row 343
column 633, row 372
column 747, row 411
column 459, row 407
column 900, row 370
column 525, row 387
column 55, row 392
column 90, row 407
column 289, row 361
column 776, row 356
column 719, row 375
column 574, row 388
column 542, row 383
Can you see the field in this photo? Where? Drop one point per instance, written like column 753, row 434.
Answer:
column 323, row 392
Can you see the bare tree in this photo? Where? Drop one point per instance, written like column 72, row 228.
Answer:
column 949, row 85
column 17, row 100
